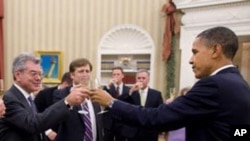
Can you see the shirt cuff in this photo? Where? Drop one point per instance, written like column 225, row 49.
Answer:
column 108, row 87
column 48, row 131
column 67, row 104
column 111, row 103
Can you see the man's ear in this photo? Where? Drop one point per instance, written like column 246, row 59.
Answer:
column 216, row 50
column 65, row 84
column 16, row 75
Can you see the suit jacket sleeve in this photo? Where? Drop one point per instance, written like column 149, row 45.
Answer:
column 61, row 93
column 19, row 114
column 200, row 100
column 44, row 98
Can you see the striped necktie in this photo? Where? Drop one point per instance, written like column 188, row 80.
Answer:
column 88, row 136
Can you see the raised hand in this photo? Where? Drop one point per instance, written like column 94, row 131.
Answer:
column 112, row 81
column 95, row 84
column 77, row 95
column 135, row 87
column 101, row 97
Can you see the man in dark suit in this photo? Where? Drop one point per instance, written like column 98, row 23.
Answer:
column 77, row 127
column 114, row 131
column 45, row 98
column 141, row 94
column 21, row 121
column 216, row 102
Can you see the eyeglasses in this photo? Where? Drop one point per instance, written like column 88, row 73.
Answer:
column 33, row 73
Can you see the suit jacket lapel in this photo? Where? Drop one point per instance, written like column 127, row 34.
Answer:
column 18, row 94
column 112, row 90
column 136, row 98
column 148, row 98
column 96, row 109
column 77, row 108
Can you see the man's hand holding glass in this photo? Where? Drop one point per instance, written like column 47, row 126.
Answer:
column 77, row 95
column 101, row 97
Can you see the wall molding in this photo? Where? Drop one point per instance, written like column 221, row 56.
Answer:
column 220, row 12
column 199, row 15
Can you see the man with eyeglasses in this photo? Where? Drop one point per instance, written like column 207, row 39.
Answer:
column 21, row 121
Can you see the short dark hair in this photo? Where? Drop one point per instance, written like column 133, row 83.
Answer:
column 79, row 63
column 118, row 68
column 223, row 36
column 66, row 78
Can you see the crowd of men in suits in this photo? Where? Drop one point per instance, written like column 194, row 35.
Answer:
column 50, row 122
column 134, row 114
column 117, row 131
column 208, row 111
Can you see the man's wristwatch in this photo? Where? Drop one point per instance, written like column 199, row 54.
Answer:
column 67, row 104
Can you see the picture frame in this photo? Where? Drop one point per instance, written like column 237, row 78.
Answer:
column 51, row 63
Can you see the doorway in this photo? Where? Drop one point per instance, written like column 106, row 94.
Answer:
column 242, row 57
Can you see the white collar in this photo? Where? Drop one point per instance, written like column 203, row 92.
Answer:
column 221, row 68
column 120, row 86
column 25, row 93
column 144, row 90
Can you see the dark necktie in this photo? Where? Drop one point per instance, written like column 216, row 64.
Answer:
column 34, row 111
column 88, row 136
column 117, row 92
column 32, row 105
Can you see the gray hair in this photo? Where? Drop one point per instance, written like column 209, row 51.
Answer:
column 20, row 61
column 143, row 70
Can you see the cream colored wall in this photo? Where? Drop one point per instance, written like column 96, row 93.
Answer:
column 75, row 27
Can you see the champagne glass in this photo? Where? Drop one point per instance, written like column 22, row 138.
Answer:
column 140, row 85
column 96, row 84
column 172, row 93
column 84, row 83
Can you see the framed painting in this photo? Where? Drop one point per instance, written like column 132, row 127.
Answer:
column 51, row 62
